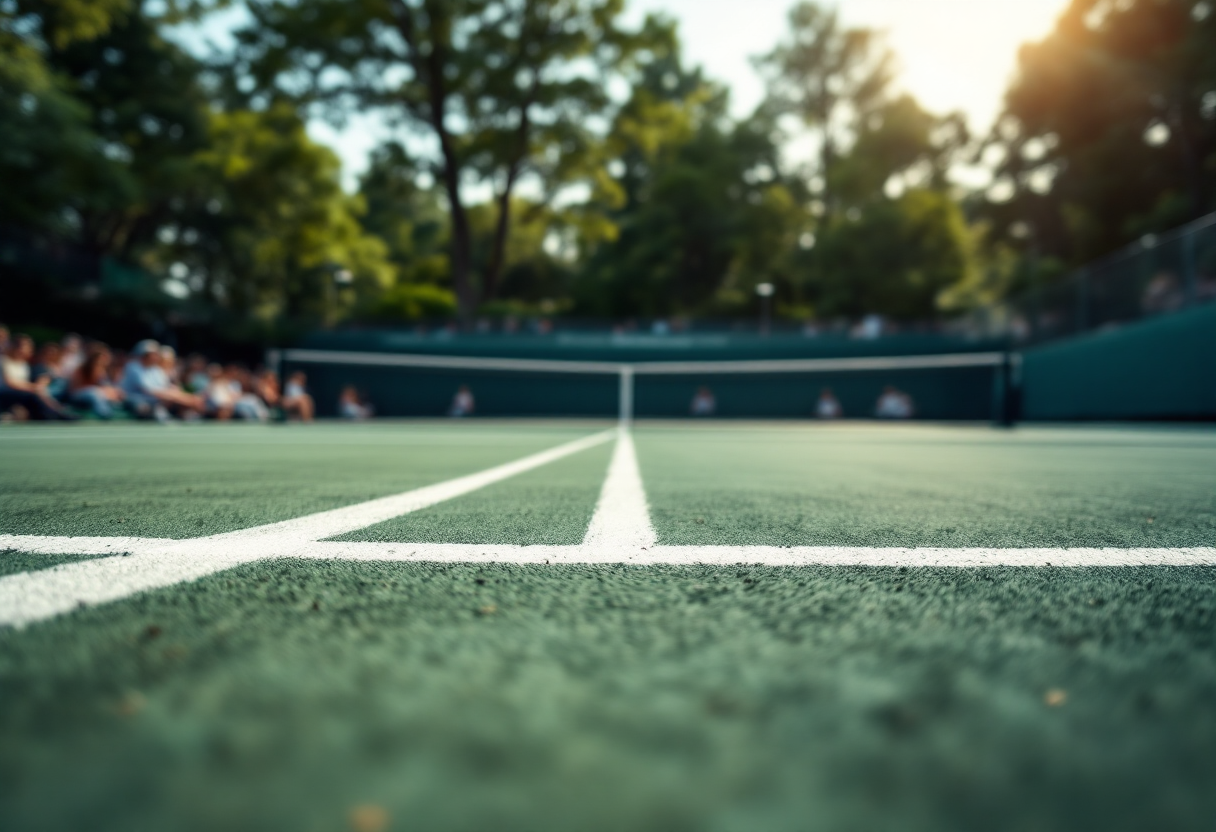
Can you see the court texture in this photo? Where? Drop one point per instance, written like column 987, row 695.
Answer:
column 511, row 625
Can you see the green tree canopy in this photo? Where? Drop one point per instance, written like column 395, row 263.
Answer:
column 1109, row 130
column 508, row 90
column 271, row 228
column 705, row 213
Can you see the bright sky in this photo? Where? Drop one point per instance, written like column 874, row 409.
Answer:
column 953, row 54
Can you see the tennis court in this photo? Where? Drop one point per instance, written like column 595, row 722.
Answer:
column 554, row 625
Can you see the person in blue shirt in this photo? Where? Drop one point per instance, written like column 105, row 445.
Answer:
column 148, row 390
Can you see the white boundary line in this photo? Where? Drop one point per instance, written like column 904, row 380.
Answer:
column 757, row 555
column 622, row 519
column 620, row 533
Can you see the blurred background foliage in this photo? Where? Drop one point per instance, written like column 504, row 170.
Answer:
column 553, row 161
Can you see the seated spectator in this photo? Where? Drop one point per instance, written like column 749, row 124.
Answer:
column 249, row 404
column 148, row 391
column 195, row 379
column 296, row 401
column 74, row 354
column 266, row 385
column 4, row 336
column 462, row 402
column 893, row 404
column 352, row 406
column 47, row 369
column 704, row 403
column 90, row 387
column 220, row 394
column 168, row 363
column 828, row 406
column 18, row 392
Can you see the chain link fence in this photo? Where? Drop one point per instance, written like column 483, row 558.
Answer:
column 1157, row 275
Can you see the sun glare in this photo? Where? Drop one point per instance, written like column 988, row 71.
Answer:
column 959, row 54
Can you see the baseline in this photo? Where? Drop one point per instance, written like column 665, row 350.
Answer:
column 968, row 558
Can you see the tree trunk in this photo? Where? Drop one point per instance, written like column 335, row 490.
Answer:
column 498, row 255
column 429, row 69
column 462, row 241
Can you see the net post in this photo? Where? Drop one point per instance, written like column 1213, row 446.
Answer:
column 1009, row 386
column 626, row 396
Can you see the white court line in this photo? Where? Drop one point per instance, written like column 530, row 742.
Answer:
column 969, row 558
column 622, row 519
column 33, row 596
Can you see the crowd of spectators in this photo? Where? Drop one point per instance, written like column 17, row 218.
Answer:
column 72, row 378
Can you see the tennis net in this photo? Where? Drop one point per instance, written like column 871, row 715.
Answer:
column 961, row 386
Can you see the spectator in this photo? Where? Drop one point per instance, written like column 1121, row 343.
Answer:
column 828, row 406
column 4, row 336
column 868, row 328
column 18, row 392
column 74, row 355
column 704, row 403
column 352, row 406
column 48, row 370
column 90, row 387
column 196, row 378
column 168, row 363
column 893, row 404
column 220, row 394
column 148, row 391
column 462, row 403
column 249, row 404
column 296, row 401
column 266, row 385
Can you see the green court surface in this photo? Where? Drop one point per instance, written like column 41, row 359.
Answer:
column 317, row 694
column 189, row 481
column 930, row 486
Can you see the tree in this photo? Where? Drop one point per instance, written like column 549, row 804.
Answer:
column 270, row 226
column 889, row 238
column 408, row 217
column 703, row 214
column 1109, row 129
column 897, row 146
column 508, row 90
column 150, row 113
column 898, row 258
column 830, row 78
column 101, row 115
column 48, row 145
